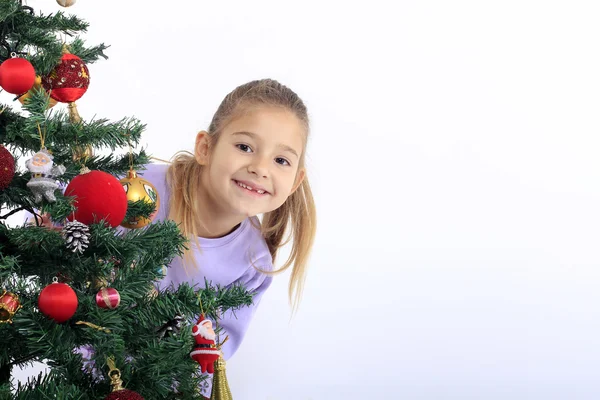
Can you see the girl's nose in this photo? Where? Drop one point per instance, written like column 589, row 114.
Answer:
column 259, row 167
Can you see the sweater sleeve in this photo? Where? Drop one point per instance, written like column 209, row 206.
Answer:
column 235, row 324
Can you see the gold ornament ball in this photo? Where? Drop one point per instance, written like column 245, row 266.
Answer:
column 36, row 86
column 66, row 3
column 136, row 189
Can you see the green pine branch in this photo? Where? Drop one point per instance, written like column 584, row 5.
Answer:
column 139, row 209
column 57, row 22
column 58, row 131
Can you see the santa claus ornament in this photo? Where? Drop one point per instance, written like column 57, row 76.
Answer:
column 205, row 351
column 43, row 175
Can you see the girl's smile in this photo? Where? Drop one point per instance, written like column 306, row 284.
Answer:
column 251, row 189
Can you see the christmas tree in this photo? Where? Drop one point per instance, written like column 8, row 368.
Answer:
column 77, row 288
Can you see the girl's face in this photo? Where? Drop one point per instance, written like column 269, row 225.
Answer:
column 254, row 166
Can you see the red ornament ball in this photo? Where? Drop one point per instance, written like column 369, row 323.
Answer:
column 69, row 80
column 17, row 75
column 124, row 394
column 7, row 167
column 99, row 196
column 108, row 298
column 58, row 301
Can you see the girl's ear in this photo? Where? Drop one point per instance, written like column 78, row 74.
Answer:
column 299, row 178
column 202, row 148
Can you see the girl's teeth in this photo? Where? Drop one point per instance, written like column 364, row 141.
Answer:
column 249, row 188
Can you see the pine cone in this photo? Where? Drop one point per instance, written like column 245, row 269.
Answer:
column 77, row 236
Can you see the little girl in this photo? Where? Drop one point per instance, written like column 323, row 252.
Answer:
column 249, row 162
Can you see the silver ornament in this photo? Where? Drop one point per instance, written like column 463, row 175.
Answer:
column 77, row 236
column 43, row 175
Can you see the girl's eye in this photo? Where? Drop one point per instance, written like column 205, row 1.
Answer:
column 243, row 147
column 282, row 161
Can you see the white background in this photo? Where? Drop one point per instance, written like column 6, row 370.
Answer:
column 455, row 163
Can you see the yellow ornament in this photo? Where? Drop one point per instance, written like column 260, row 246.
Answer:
column 136, row 189
column 36, row 86
column 152, row 293
column 81, row 152
column 220, row 386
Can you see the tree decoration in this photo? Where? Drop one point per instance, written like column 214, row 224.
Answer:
column 171, row 327
column 17, row 75
column 77, row 236
column 136, row 189
column 66, row 3
column 58, row 301
column 118, row 392
column 98, row 196
column 43, row 175
column 37, row 85
column 220, row 386
column 69, row 80
column 7, row 167
column 205, row 351
column 108, row 298
column 9, row 305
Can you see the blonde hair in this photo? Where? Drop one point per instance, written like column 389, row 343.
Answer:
column 298, row 212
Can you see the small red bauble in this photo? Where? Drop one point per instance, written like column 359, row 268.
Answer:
column 124, row 394
column 99, row 196
column 17, row 75
column 69, row 80
column 108, row 298
column 58, row 302
column 7, row 167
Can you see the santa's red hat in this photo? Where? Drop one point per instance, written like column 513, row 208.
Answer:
column 201, row 321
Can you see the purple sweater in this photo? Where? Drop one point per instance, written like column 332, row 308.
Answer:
column 224, row 261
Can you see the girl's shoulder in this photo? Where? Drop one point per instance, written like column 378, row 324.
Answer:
column 154, row 170
column 256, row 237
column 155, row 174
